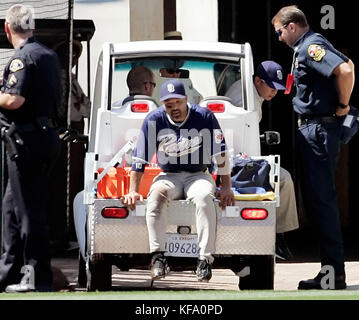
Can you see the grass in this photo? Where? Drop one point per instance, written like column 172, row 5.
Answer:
column 190, row 295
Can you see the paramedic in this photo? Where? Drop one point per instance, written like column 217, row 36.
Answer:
column 171, row 69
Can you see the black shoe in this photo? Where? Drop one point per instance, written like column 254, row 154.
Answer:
column 159, row 266
column 281, row 249
column 203, row 271
column 315, row 283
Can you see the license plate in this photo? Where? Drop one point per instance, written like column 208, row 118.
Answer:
column 182, row 245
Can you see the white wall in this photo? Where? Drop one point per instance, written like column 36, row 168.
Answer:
column 146, row 20
column 111, row 20
column 196, row 19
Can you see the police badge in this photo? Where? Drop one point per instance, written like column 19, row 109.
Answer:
column 16, row 65
column 316, row 52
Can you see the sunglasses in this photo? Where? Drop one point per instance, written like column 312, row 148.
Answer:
column 151, row 83
column 279, row 31
column 172, row 71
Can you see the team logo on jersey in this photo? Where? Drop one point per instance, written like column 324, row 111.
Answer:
column 178, row 147
column 218, row 135
column 170, row 87
column 316, row 52
column 16, row 65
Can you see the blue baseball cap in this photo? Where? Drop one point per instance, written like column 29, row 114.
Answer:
column 272, row 73
column 172, row 89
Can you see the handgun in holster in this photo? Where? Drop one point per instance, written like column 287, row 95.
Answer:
column 12, row 140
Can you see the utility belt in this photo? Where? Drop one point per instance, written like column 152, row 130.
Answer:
column 10, row 133
column 305, row 119
column 40, row 124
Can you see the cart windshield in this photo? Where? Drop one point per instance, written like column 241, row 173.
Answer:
column 201, row 78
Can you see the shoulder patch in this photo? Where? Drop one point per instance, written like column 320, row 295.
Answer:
column 12, row 81
column 16, row 65
column 218, row 135
column 316, row 52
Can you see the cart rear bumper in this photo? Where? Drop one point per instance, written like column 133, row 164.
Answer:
column 234, row 235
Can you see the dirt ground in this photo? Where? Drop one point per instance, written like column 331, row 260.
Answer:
column 287, row 276
column 304, row 265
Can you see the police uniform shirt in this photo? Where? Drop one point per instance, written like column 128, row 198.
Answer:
column 33, row 73
column 315, row 58
column 188, row 146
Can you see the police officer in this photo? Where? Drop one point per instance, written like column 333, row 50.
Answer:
column 29, row 96
column 324, row 79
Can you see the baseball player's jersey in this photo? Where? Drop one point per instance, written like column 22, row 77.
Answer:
column 188, row 146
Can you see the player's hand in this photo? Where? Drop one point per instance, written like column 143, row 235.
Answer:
column 342, row 112
column 131, row 198
column 225, row 197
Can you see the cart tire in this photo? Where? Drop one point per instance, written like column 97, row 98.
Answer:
column 99, row 273
column 260, row 275
column 82, row 276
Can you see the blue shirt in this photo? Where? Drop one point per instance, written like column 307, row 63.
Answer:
column 33, row 72
column 315, row 58
column 188, row 146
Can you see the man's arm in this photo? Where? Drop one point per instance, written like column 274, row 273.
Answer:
column 11, row 101
column 225, row 195
column 345, row 77
column 133, row 195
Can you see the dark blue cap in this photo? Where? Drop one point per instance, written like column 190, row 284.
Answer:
column 350, row 125
column 272, row 73
column 172, row 89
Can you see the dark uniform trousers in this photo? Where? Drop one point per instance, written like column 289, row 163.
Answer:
column 26, row 241
column 319, row 147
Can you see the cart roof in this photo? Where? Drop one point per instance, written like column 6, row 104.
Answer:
column 165, row 48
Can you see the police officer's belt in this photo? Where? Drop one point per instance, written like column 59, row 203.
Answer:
column 309, row 119
column 40, row 124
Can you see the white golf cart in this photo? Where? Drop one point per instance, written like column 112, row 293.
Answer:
column 108, row 233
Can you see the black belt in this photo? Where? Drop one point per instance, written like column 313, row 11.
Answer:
column 310, row 119
column 41, row 124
